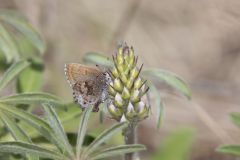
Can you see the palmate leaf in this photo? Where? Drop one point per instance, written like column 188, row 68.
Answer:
column 97, row 58
column 82, row 130
column 7, row 45
column 12, row 72
column 103, row 137
column 115, row 151
column 170, row 79
column 65, row 116
column 16, row 132
column 158, row 103
column 33, row 121
column 31, row 98
column 56, row 125
column 230, row 149
column 26, row 148
column 24, row 27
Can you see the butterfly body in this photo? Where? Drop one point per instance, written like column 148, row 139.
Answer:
column 89, row 84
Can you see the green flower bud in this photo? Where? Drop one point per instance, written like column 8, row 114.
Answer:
column 120, row 68
column 125, row 94
column 120, row 59
column 124, row 78
column 130, row 83
column 126, row 58
column 118, row 101
column 120, row 51
column 135, row 96
column 115, row 112
column 130, row 114
column 111, row 90
column 142, row 110
column 127, row 90
column 115, row 73
column 138, row 83
column 134, row 73
column 117, row 85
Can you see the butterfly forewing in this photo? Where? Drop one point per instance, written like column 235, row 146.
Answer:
column 89, row 84
column 77, row 72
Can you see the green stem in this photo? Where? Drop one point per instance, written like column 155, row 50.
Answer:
column 130, row 136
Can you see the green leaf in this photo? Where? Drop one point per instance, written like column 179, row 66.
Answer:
column 12, row 72
column 115, row 151
column 176, row 146
column 70, row 114
column 158, row 103
column 72, row 111
column 97, row 58
column 16, row 132
column 104, row 136
column 235, row 118
column 56, row 125
column 31, row 98
column 25, row 148
column 230, row 149
column 82, row 129
column 7, row 45
column 25, row 28
column 31, row 79
column 33, row 121
column 171, row 79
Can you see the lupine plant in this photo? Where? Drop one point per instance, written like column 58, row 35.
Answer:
column 34, row 137
column 129, row 97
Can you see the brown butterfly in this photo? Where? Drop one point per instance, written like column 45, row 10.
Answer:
column 89, row 84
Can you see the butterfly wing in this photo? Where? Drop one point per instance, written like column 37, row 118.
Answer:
column 83, row 80
column 76, row 72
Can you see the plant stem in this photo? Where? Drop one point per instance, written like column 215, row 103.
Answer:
column 130, row 136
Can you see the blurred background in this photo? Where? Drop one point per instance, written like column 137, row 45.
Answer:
column 198, row 40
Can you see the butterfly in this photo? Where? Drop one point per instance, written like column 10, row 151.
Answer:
column 89, row 84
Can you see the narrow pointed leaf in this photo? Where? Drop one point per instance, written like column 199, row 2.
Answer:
column 25, row 28
column 158, row 103
column 17, row 132
column 31, row 98
column 25, row 148
column 116, row 151
column 12, row 72
column 7, row 45
column 103, row 137
column 82, row 129
column 230, row 149
column 66, row 116
column 56, row 125
column 97, row 58
column 170, row 79
column 33, row 121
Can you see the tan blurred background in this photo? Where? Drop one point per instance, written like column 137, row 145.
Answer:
column 197, row 39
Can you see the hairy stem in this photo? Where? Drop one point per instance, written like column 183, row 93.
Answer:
column 130, row 136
